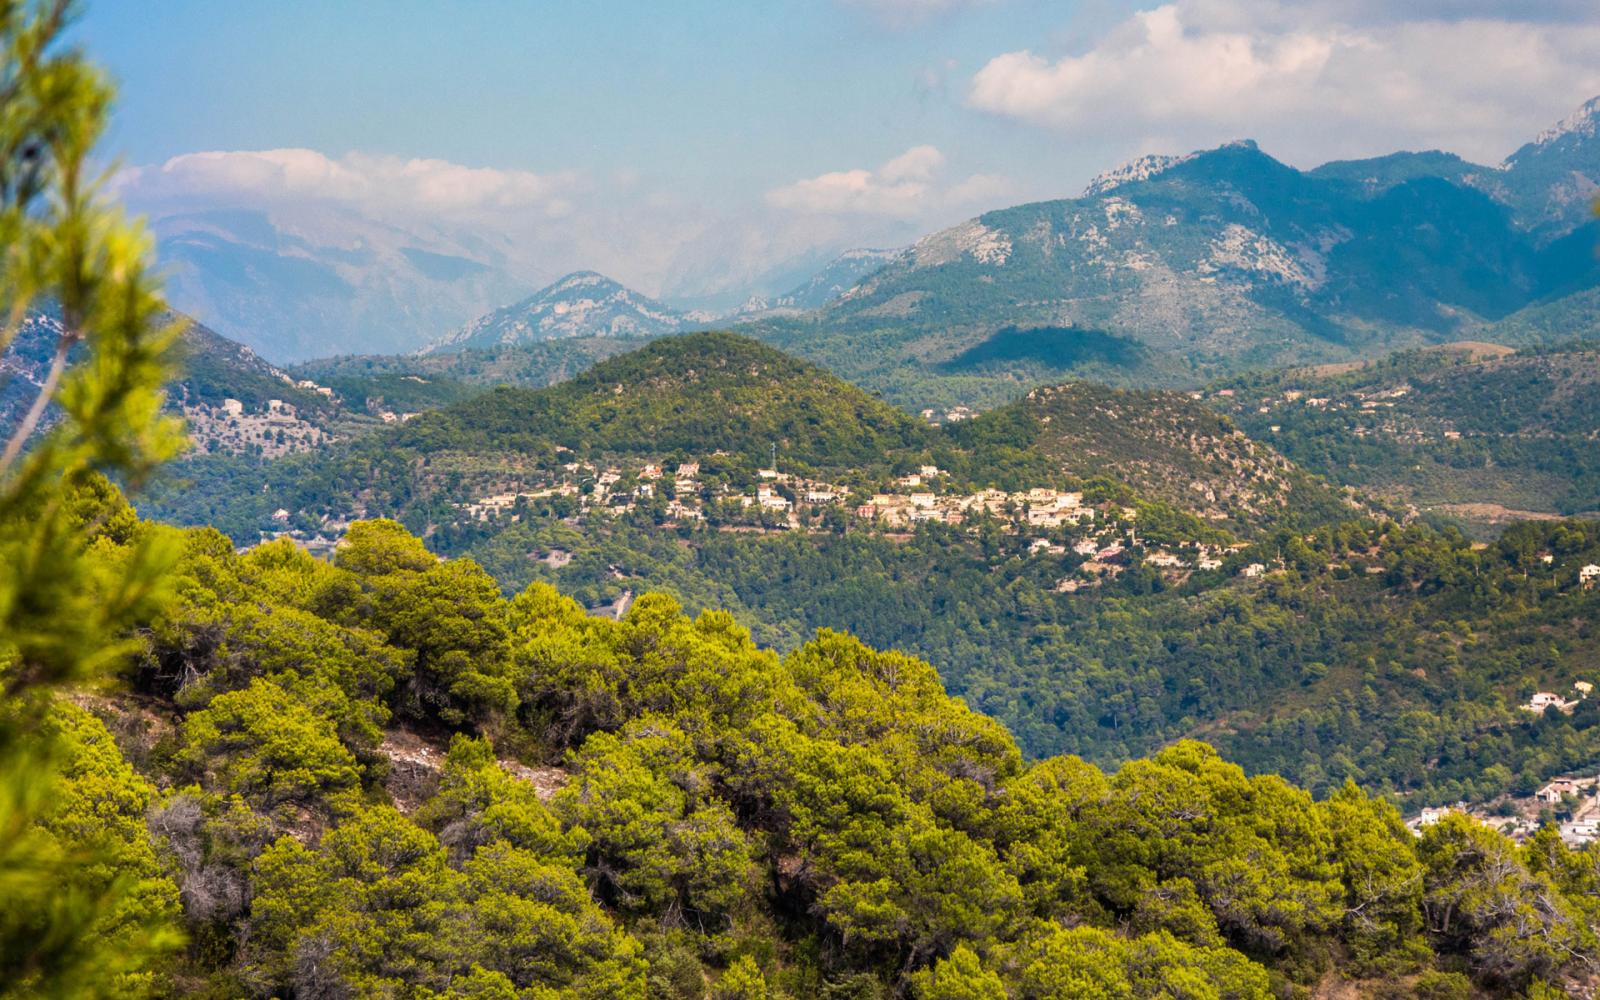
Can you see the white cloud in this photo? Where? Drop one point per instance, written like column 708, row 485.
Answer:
column 1310, row 81
column 378, row 184
column 917, row 165
column 908, row 186
column 535, row 226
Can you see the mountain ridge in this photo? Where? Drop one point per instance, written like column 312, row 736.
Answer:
column 579, row 304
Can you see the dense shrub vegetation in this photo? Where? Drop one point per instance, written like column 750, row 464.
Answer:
column 723, row 821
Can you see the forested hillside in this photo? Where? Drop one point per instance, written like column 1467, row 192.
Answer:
column 1472, row 430
column 381, row 777
column 707, row 675
column 1202, row 585
column 1395, row 657
column 533, row 365
column 1168, row 447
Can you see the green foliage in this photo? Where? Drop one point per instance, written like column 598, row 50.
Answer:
column 657, row 842
column 97, row 847
column 376, row 908
column 1085, row 961
column 68, row 589
column 449, row 613
column 263, row 743
column 478, row 803
column 742, row 981
column 1483, row 903
column 960, row 977
column 727, row 822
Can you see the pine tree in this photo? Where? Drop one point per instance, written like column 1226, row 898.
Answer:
column 65, row 254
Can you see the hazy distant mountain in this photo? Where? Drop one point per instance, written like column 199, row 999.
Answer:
column 582, row 304
column 294, row 289
column 841, row 274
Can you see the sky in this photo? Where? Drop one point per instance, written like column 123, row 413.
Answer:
column 700, row 148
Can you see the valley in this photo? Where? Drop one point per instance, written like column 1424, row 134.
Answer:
column 907, row 583
column 1104, row 570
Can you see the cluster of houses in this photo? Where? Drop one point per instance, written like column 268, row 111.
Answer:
column 1035, row 508
column 1520, row 818
column 954, row 415
column 1104, row 535
column 1380, row 404
column 1544, row 701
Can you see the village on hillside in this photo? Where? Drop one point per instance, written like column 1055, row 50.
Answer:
column 1571, row 803
column 1104, row 535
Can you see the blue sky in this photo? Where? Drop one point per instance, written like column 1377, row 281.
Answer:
column 697, row 93
column 674, row 139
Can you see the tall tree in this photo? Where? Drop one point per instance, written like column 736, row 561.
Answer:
column 66, row 255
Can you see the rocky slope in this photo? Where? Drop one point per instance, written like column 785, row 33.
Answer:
column 582, row 304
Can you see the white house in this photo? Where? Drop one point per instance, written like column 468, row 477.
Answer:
column 1579, row 831
column 1255, row 570
column 1589, row 575
column 1543, row 700
column 770, row 499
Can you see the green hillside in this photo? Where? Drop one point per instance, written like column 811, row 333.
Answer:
column 702, row 392
column 1166, row 446
column 439, row 792
column 1109, row 663
column 1476, row 432
column 534, row 365
column 1554, row 320
column 732, row 404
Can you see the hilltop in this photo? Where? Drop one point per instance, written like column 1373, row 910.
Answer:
column 1166, row 446
column 582, row 304
column 703, row 392
column 535, row 365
